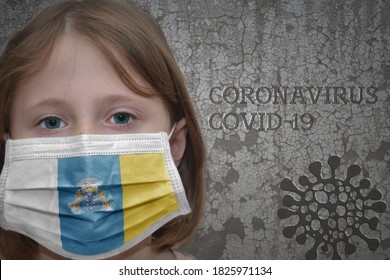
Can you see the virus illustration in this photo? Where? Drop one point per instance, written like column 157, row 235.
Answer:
column 331, row 210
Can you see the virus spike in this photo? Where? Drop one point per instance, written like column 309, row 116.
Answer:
column 373, row 223
column 289, row 201
column 373, row 244
column 364, row 183
column 312, row 253
column 289, row 231
column 353, row 171
column 379, row 207
column 285, row 213
column 304, row 181
column 301, row 238
column 350, row 248
column 315, row 169
column 288, row 185
column 374, row 194
column 334, row 162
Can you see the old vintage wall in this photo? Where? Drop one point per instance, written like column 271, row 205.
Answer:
column 293, row 99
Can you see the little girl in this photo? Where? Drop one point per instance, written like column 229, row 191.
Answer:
column 87, row 87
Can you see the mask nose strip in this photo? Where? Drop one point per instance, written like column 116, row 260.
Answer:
column 172, row 130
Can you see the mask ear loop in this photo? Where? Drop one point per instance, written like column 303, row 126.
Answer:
column 172, row 130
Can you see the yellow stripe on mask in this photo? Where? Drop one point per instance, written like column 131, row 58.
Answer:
column 147, row 192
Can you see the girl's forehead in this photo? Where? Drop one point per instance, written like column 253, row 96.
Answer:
column 76, row 63
column 72, row 52
column 78, row 71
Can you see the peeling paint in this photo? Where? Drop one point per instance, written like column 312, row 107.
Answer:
column 284, row 43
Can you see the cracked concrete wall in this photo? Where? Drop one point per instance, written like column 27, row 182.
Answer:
column 293, row 99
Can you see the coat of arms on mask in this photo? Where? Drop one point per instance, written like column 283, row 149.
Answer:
column 90, row 198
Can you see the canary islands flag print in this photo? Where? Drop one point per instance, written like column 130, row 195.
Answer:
column 88, row 202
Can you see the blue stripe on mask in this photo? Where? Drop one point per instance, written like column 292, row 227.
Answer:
column 89, row 189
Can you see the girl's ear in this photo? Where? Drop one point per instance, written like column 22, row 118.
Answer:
column 178, row 141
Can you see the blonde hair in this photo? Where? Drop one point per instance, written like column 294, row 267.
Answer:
column 113, row 27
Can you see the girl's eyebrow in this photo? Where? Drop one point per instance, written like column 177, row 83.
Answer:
column 58, row 102
column 116, row 98
column 54, row 102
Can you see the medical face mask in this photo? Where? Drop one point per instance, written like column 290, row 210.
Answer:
column 90, row 196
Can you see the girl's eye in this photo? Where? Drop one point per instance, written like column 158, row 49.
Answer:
column 52, row 123
column 121, row 118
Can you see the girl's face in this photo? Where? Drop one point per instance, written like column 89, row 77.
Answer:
column 79, row 92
